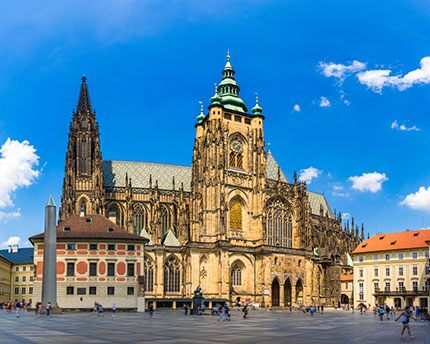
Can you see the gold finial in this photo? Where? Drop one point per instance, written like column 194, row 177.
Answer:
column 228, row 54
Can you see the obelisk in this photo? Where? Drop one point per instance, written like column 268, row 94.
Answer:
column 49, row 283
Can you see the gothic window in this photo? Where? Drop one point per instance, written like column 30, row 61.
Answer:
column 236, row 154
column 278, row 224
column 84, row 157
column 172, row 275
column 83, row 208
column 148, row 276
column 166, row 219
column 236, row 274
column 235, row 214
column 140, row 217
column 114, row 213
column 84, row 124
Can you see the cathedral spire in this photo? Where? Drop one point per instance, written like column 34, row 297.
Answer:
column 201, row 115
column 84, row 103
column 257, row 109
column 228, row 89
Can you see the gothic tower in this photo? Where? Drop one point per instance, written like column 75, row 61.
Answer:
column 83, row 179
column 229, row 167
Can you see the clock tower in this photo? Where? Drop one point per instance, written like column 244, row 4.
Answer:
column 229, row 168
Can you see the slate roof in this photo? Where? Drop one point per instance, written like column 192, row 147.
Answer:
column 24, row 255
column 90, row 227
column 114, row 172
column 395, row 241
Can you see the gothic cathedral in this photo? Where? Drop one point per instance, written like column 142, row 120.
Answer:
column 231, row 223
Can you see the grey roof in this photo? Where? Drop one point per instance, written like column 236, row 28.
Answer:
column 114, row 174
column 272, row 168
column 315, row 200
column 24, row 255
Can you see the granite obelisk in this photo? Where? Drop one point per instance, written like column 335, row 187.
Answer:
column 49, row 283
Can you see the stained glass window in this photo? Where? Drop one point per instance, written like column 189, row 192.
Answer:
column 140, row 217
column 236, row 274
column 148, row 276
column 172, row 275
column 278, row 224
column 235, row 214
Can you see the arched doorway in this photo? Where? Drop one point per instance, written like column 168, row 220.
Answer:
column 287, row 293
column 299, row 292
column 344, row 299
column 275, row 293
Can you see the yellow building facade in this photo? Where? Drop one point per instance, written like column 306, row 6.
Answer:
column 230, row 223
column 5, row 276
column 393, row 269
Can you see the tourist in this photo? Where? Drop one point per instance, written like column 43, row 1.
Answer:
column 322, row 308
column 387, row 311
column 113, row 310
column 18, row 306
column 151, row 309
column 226, row 312
column 38, row 309
column 245, row 311
column 220, row 312
column 406, row 315
column 185, row 309
column 381, row 312
column 48, row 309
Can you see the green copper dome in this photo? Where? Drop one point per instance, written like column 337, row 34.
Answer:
column 201, row 115
column 257, row 109
column 228, row 90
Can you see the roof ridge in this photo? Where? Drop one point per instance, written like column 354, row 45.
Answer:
column 147, row 162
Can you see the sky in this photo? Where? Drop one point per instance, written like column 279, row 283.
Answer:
column 345, row 88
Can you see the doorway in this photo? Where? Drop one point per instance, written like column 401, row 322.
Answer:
column 275, row 293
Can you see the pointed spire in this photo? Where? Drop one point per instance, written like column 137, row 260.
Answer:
column 228, row 89
column 201, row 115
column 216, row 99
column 84, row 103
column 257, row 109
column 51, row 202
column 295, row 177
column 362, row 231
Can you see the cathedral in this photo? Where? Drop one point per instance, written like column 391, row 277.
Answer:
column 231, row 223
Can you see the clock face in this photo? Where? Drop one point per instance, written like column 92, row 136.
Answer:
column 236, row 146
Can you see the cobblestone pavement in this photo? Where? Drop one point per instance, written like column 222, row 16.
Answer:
column 173, row 327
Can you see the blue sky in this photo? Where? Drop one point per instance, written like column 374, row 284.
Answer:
column 149, row 64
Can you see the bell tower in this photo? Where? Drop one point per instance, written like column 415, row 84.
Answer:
column 83, row 179
column 229, row 167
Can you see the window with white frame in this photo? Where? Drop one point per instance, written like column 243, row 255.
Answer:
column 415, row 285
column 400, row 270
column 387, row 256
column 387, row 271
column 361, row 291
column 415, row 270
column 376, row 272
column 360, row 272
column 414, row 255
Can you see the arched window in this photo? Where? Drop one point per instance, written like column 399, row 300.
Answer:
column 166, row 219
column 278, row 224
column 172, row 275
column 235, row 214
column 236, row 274
column 140, row 217
column 84, row 157
column 114, row 213
column 148, row 277
column 236, row 154
column 83, row 208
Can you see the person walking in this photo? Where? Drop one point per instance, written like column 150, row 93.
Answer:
column 245, row 311
column 48, row 309
column 18, row 307
column 406, row 316
column 113, row 310
column 38, row 309
column 381, row 312
column 185, row 309
column 151, row 309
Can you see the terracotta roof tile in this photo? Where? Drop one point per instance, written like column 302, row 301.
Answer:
column 91, row 227
column 409, row 239
column 345, row 278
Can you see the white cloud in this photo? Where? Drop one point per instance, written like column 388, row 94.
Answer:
column 346, row 216
column 297, row 108
column 18, row 162
column 402, row 127
column 340, row 71
column 377, row 79
column 13, row 240
column 6, row 216
column 338, row 190
column 419, row 200
column 308, row 174
column 324, row 102
column 368, row 181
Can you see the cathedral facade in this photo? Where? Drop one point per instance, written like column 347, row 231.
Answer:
column 231, row 223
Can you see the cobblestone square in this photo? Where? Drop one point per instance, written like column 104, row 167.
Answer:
column 173, row 327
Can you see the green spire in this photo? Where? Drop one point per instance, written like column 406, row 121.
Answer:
column 229, row 90
column 216, row 99
column 257, row 109
column 201, row 115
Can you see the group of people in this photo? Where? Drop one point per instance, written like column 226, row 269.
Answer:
column 312, row 309
column 19, row 307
